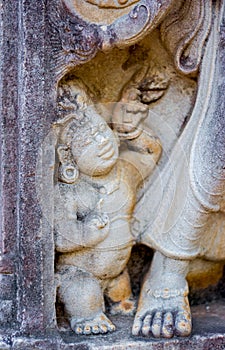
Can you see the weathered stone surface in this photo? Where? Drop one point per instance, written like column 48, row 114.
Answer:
column 46, row 45
column 208, row 333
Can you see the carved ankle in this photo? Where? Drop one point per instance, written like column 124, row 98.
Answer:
column 168, row 293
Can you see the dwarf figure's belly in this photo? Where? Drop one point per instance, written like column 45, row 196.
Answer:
column 107, row 259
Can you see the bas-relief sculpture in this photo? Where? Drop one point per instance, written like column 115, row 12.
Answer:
column 139, row 159
column 94, row 202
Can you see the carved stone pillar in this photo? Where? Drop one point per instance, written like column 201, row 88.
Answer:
column 9, row 162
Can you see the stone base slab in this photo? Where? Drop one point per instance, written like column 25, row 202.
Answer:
column 208, row 334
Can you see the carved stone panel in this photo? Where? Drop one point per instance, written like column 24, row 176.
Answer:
column 112, row 172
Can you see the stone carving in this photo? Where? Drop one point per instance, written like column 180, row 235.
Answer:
column 78, row 32
column 112, row 4
column 73, row 72
column 181, row 233
column 79, row 29
column 184, row 33
column 94, row 201
column 105, row 153
column 75, row 41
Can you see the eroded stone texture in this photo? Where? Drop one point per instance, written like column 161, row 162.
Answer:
column 150, row 72
column 208, row 330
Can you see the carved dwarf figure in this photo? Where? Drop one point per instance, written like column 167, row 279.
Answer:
column 95, row 195
column 94, row 200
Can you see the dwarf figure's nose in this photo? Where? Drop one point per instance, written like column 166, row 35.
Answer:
column 101, row 139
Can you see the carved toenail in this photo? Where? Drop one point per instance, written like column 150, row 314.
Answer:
column 78, row 330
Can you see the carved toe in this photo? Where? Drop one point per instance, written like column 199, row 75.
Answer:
column 103, row 328
column 78, row 329
column 146, row 327
column 168, row 325
column 137, row 325
column 183, row 324
column 87, row 329
column 157, row 324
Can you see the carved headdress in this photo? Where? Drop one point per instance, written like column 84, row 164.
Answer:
column 72, row 125
column 73, row 96
column 75, row 105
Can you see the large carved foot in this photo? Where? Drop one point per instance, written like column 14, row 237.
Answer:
column 162, row 317
column 164, row 309
column 98, row 325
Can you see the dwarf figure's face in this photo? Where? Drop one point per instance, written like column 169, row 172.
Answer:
column 93, row 145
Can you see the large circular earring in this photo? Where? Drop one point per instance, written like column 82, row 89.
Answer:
column 68, row 173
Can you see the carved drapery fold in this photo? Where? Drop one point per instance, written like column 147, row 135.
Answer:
column 185, row 31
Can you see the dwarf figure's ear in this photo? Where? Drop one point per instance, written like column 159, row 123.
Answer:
column 68, row 171
column 64, row 154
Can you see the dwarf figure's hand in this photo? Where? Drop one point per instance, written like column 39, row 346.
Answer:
column 97, row 221
column 97, row 226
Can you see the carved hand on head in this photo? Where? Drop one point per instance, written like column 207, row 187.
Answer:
column 129, row 112
column 147, row 85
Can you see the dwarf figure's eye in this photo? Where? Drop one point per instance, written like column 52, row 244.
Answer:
column 102, row 127
column 94, row 130
column 87, row 141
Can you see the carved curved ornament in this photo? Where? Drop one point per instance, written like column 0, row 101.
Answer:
column 112, row 3
column 120, row 21
column 80, row 28
column 88, row 26
column 184, row 32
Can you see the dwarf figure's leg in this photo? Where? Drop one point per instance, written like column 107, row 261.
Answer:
column 82, row 296
column 119, row 291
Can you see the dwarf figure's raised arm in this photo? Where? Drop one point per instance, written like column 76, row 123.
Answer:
column 143, row 147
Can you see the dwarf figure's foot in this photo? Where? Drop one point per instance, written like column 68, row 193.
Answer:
column 120, row 294
column 82, row 296
column 98, row 325
column 164, row 309
column 124, row 307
